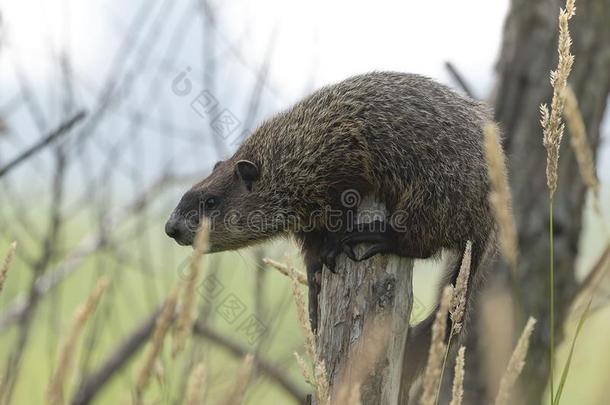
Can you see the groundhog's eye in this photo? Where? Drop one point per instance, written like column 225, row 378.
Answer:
column 211, row 203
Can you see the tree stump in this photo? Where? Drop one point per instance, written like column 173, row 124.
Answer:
column 364, row 320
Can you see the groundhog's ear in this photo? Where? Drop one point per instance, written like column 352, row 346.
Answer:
column 247, row 172
column 216, row 165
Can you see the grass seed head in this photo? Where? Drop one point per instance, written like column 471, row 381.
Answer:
column 552, row 125
column 458, row 301
column 515, row 364
column 457, row 392
column 436, row 354
column 580, row 146
column 6, row 265
column 70, row 346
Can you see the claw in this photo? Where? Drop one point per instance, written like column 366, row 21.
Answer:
column 349, row 251
column 331, row 264
column 330, row 251
column 373, row 250
column 364, row 237
column 375, row 234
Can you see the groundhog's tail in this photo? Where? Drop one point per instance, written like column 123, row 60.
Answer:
column 418, row 341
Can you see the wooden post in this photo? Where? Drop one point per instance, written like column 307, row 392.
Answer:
column 364, row 320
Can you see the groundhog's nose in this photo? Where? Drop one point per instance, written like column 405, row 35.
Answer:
column 176, row 228
column 181, row 228
column 171, row 228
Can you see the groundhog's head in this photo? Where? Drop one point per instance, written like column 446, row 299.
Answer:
column 228, row 199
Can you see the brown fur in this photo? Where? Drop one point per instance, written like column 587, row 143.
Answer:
column 413, row 144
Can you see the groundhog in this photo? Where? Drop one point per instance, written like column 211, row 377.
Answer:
column 408, row 142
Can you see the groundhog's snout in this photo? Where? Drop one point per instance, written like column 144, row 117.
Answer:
column 177, row 228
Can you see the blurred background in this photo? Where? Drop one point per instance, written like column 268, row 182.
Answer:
column 125, row 104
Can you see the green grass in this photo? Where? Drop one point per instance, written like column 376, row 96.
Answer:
column 551, row 304
column 133, row 293
column 138, row 286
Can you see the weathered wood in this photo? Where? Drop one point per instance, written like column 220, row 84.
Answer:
column 363, row 323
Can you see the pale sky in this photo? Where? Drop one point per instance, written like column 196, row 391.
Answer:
column 316, row 42
column 336, row 39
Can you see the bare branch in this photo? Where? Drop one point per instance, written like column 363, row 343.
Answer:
column 64, row 128
column 89, row 245
column 239, row 351
column 459, row 79
column 94, row 383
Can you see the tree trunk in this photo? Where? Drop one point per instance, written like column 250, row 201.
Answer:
column 528, row 54
column 364, row 319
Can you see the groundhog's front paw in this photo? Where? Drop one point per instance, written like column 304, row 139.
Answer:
column 375, row 235
column 332, row 248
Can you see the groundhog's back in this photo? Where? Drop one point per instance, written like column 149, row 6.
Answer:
column 403, row 137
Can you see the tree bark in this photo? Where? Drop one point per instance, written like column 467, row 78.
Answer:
column 364, row 320
column 528, row 54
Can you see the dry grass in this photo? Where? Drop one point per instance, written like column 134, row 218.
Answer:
column 238, row 390
column 317, row 376
column 302, row 317
column 164, row 321
column 551, row 120
column 497, row 334
column 578, row 141
column 196, row 385
column 515, row 364
column 55, row 393
column 184, row 322
column 6, row 265
column 457, row 392
column 499, row 196
column 305, row 369
column 457, row 308
column 552, row 128
column 437, row 352
column 286, row 270
column 458, row 301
